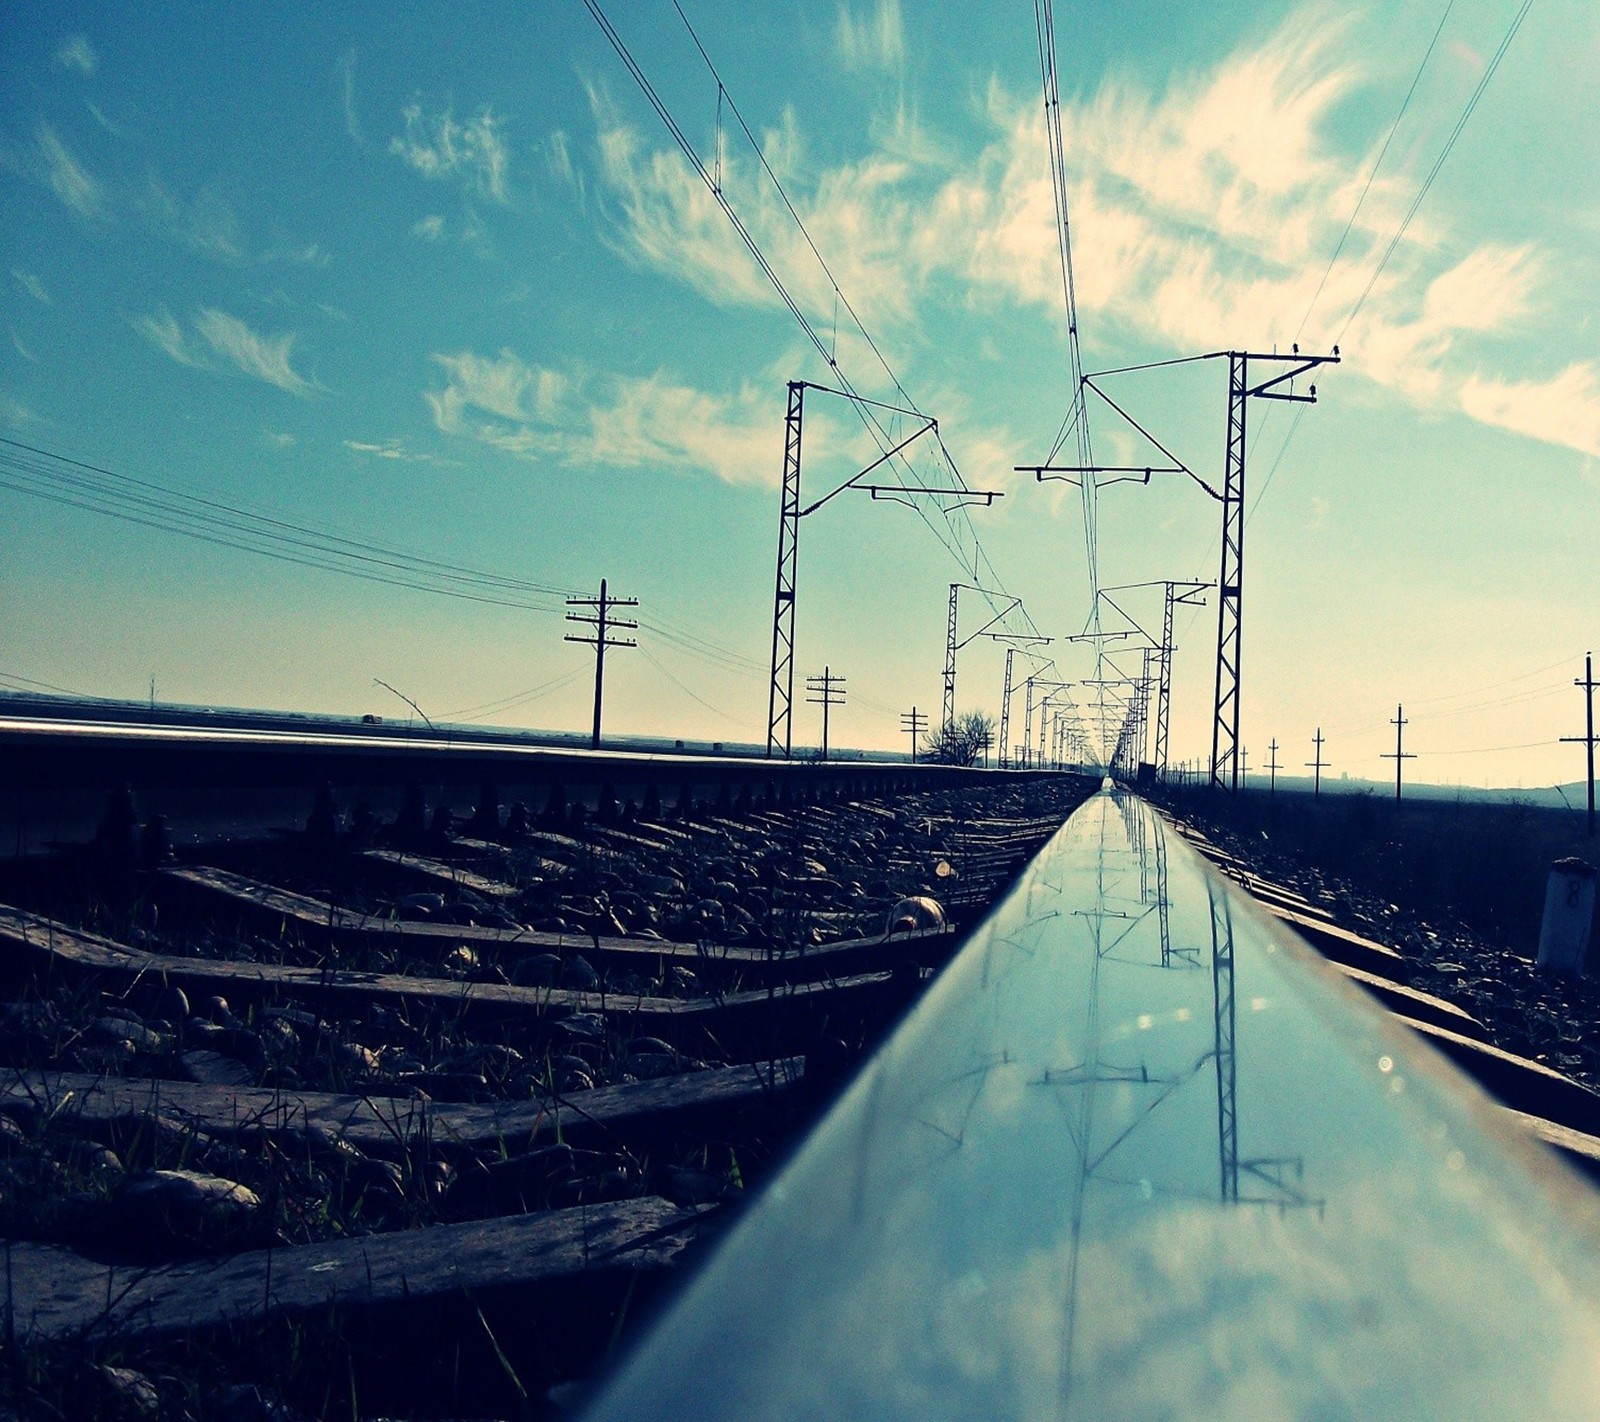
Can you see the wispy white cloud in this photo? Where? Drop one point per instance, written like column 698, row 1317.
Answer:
column 75, row 52
column 1203, row 215
column 1564, row 409
column 872, row 40
column 205, row 223
column 559, row 163
column 558, row 156
column 601, row 419
column 162, row 330
column 17, row 413
column 386, row 449
column 302, row 254
column 440, row 147
column 279, row 439
column 860, row 215
column 430, row 228
column 21, row 346
column 347, row 79
column 264, row 357
column 32, row 285
column 116, row 130
column 60, row 169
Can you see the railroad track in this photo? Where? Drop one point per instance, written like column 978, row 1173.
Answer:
column 381, row 1093
column 436, row 1109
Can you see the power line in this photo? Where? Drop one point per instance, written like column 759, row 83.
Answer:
column 55, row 478
column 723, row 94
column 1373, row 173
column 1439, row 162
column 713, row 182
column 519, row 698
column 726, row 716
column 706, row 648
column 1416, row 203
column 1493, row 686
column 1078, row 423
column 1488, row 750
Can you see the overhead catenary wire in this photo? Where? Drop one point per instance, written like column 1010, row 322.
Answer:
column 1078, row 421
column 714, row 183
column 1405, row 222
column 839, row 296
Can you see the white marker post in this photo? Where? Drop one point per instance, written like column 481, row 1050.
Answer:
column 1568, row 916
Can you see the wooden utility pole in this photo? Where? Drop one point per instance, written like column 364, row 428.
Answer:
column 1587, row 740
column 1400, row 754
column 602, row 622
column 1272, row 769
column 825, row 691
column 916, row 723
column 1318, row 765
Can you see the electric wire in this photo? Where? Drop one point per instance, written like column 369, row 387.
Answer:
column 1495, row 686
column 694, row 696
column 1373, row 172
column 1400, row 230
column 520, row 698
column 1439, row 162
column 642, row 80
column 724, row 96
column 1489, row 750
column 28, row 681
column 958, row 510
column 41, row 474
column 1078, row 423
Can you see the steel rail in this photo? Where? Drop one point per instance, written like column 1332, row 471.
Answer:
column 1138, row 1153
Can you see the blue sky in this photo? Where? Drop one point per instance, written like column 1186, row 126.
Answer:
column 445, row 285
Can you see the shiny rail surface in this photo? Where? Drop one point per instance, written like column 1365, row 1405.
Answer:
column 1138, row 1154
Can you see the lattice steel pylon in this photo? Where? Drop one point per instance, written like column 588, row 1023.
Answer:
column 1230, row 578
column 780, row 696
column 1230, row 586
column 780, row 699
column 1190, row 596
column 1005, row 712
column 949, row 714
column 1013, row 642
column 951, row 646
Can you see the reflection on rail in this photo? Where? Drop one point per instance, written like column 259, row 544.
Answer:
column 1089, row 1178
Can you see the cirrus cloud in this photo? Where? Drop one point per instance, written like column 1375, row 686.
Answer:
column 75, row 52
column 263, row 357
column 1203, row 213
column 439, row 146
column 617, row 421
